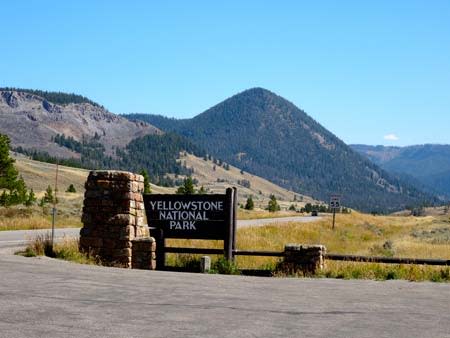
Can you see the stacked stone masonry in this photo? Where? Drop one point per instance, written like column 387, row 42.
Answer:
column 307, row 259
column 113, row 220
column 144, row 253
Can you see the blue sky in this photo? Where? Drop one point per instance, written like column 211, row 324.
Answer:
column 371, row 72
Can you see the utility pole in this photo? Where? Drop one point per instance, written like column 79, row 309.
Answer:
column 54, row 205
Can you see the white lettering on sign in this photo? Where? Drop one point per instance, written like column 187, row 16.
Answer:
column 183, row 215
column 182, row 225
column 191, row 205
column 173, row 215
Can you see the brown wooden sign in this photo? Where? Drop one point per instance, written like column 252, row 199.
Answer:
column 189, row 216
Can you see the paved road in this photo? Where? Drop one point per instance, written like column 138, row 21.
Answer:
column 41, row 297
column 265, row 221
column 13, row 239
column 19, row 237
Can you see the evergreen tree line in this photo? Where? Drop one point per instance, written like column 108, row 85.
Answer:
column 273, row 206
column 157, row 154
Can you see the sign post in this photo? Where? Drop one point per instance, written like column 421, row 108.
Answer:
column 335, row 203
column 192, row 217
column 228, row 239
column 235, row 211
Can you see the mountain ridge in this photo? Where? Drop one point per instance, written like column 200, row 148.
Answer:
column 256, row 130
column 267, row 135
column 429, row 164
column 22, row 112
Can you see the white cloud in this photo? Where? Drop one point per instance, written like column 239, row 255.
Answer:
column 391, row 137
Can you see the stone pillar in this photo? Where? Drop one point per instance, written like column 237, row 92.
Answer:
column 144, row 253
column 113, row 216
column 307, row 259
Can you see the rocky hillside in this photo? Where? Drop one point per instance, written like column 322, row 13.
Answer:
column 264, row 134
column 32, row 121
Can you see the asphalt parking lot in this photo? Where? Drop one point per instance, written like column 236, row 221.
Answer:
column 42, row 297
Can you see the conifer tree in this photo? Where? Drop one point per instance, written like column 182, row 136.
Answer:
column 15, row 190
column 273, row 204
column 147, row 188
column 8, row 174
column 48, row 197
column 249, row 205
column 31, row 198
column 187, row 188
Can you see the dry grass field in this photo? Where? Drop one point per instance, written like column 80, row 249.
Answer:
column 260, row 213
column 358, row 234
column 22, row 218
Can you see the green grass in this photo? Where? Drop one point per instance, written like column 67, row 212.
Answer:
column 374, row 271
column 191, row 263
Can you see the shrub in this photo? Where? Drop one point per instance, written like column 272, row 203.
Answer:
column 41, row 245
column 224, row 267
column 71, row 189
column 244, row 183
column 273, row 204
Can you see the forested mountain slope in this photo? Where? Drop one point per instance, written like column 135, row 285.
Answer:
column 264, row 134
column 429, row 164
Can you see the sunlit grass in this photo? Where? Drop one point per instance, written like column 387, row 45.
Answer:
column 258, row 214
column 67, row 249
column 354, row 234
column 34, row 218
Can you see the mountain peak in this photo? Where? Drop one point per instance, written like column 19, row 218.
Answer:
column 265, row 134
column 258, row 105
column 258, row 94
column 257, row 91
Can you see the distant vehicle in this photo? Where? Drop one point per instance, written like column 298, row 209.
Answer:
column 314, row 213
